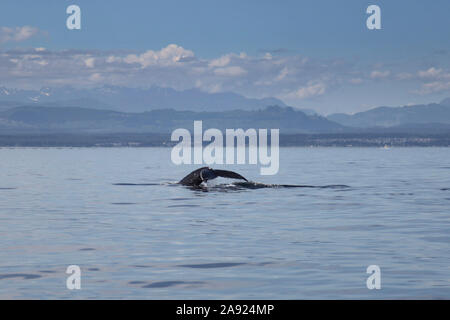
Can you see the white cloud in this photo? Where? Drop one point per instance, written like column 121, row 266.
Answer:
column 112, row 59
column 233, row 71
column 170, row 55
column 404, row 76
column 283, row 73
column 253, row 76
column 95, row 77
column 17, row 34
column 89, row 62
column 376, row 74
column 310, row 90
column 220, row 62
column 227, row 59
column 42, row 62
column 430, row 73
column 293, row 78
column 268, row 56
column 434, row 87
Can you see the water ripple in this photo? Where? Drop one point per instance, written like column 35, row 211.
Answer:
column 24, row 276
column 167, row 284
column 212, row 265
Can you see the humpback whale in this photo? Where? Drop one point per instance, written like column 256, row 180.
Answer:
column 196, row 177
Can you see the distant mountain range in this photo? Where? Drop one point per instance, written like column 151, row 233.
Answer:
column 445, row 102
column 161, row 110
column 388, row 117
column 132, row 99
column 74, row 119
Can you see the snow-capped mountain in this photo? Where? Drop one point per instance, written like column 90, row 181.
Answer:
column 134, row 99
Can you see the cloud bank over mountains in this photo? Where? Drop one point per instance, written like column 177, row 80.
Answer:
column 291, row 77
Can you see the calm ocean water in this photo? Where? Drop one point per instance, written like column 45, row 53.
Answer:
column 61, row 207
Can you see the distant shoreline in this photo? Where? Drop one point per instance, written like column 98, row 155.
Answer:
column 93, row 140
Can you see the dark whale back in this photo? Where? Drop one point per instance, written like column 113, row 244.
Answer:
column 193, row 178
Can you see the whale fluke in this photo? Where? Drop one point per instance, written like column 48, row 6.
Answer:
column 196, row 177
column 229, row 174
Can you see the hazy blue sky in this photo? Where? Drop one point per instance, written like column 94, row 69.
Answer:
column 311, row 54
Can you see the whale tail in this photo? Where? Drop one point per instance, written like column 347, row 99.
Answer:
column 229, row 174
column 196, row 177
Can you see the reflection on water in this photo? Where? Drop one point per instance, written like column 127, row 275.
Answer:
column 308, row 232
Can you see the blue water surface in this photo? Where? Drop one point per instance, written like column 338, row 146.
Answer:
column 117, row 214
